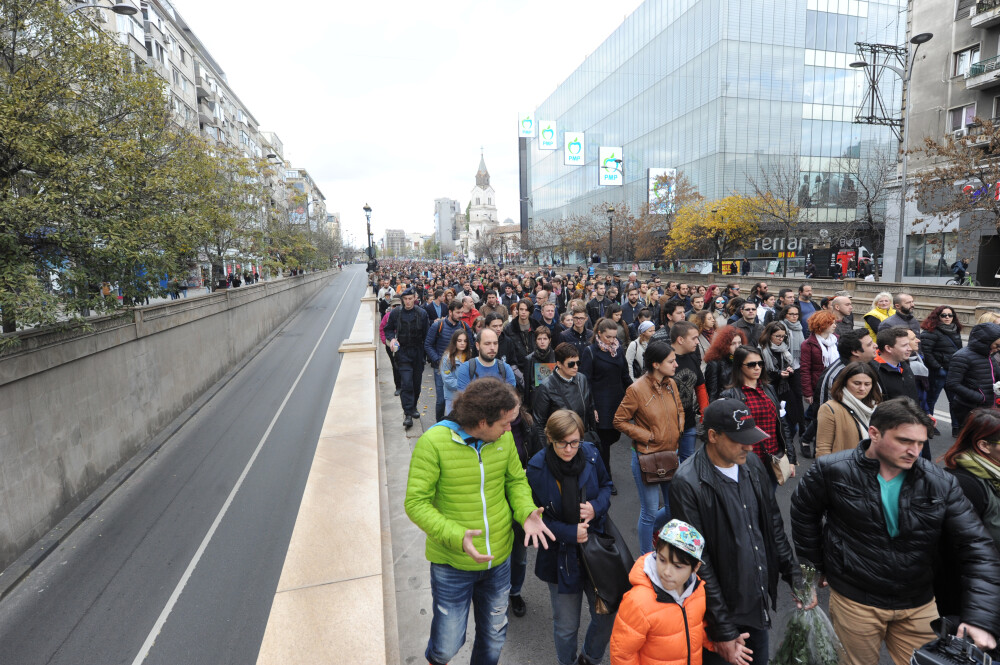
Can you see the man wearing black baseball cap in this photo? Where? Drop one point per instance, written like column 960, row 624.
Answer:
column 723, row 491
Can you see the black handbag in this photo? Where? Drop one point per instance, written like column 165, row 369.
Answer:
column 948, row 649
column 607, row 560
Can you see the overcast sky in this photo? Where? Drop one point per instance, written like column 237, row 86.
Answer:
column 389, row 102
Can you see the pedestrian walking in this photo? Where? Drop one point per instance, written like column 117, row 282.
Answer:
column 724, row 491
column 566, row 388
column 603, row 363
column 940, row 339
column 881, row 310
column 569, row 481
column 486, row 363
column 690, row 382
column 636, row 349
column 439, row 335
column 842, row 421
column 903, row 303
column 973, row 373
column 468, row 525
column 662, row 618
column 719, row 360
column 395, row 302
column 651, row 414
column 406, row 332
column 855, row 511
column 536, row 366
column 458, row 351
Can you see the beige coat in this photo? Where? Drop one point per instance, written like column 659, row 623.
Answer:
column 836, row 429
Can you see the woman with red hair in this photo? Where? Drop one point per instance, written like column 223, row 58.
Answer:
column 819, row 351
column 974, row 460
column 719, row 359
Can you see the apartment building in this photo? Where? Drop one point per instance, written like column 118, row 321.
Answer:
column 956, row 79
column 395, row 242
column 309, row 206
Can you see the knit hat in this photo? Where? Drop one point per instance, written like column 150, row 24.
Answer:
column 644, row 326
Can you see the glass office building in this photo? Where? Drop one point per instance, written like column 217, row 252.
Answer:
column 715, row 88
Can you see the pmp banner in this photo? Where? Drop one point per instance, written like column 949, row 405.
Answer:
column 611, row 165
column 547, row 135
column 573, row 148
column 526, row 125
column 662, row 190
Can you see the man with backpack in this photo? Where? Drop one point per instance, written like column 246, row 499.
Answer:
column 486, row 363
column 438, row 337
column 406, row 332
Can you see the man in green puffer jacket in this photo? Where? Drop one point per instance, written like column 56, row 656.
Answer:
column 463, row 473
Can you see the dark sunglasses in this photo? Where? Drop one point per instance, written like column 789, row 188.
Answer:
column 755, row 363
column 572, row 363
column 946, row 315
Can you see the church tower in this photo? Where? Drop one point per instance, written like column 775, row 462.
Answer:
column 482, row 206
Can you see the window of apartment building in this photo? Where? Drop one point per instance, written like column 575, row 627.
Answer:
column 240, row 116
column 184, row 55
column 159, row 53
column 185, row 84
column 964, row 9
column 965, row 59
column 177, row 77
column 244, row 138
column 961, row 117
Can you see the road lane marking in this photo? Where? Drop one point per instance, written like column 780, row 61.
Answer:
column 162, row 619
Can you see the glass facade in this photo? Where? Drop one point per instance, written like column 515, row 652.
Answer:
column 715, row 89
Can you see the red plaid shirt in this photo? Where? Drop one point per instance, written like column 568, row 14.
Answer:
column 765, row 416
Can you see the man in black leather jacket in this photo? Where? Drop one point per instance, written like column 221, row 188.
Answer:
column 871, row 520
column 724, row 492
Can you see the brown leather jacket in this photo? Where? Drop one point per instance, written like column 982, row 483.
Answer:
column 651, row 415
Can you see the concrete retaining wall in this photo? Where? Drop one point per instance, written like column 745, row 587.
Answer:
column 75, row 405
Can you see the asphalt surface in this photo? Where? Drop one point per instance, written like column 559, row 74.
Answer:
column 529, row 638
column 99, row 597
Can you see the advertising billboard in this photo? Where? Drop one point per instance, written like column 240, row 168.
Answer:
column 573, row 149
column 547, row 135
column 662, row 191
column 526, row 125
column 611, row 166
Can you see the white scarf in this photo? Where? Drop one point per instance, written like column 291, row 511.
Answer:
column 828, row 345
column 862, row 411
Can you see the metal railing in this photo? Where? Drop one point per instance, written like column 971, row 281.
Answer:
column 986, row 5
column 984, row 66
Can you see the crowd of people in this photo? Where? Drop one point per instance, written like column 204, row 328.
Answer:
column 538, row 374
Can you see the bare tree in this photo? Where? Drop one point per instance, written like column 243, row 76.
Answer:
column 774, row 195
column 867, row 190
column 487, row 246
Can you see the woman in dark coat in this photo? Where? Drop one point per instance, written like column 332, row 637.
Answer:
column 972, row 373
column 569, row 481
column 940, row 338
column 544, row 353
column 719, row 359
column 603, row 363
column 566, row 388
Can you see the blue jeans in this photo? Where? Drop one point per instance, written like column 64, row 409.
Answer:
column 937, row 385
column 566, row 625
column 685, row 447
column 453, row 591
column 649, row 506
column 438, row 395
column 518, row 561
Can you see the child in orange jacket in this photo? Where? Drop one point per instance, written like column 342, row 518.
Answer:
column 661, row 620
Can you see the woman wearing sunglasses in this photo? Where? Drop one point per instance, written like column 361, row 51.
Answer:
column 717, row 305
column 569, row 481
column 749, row 385
column 566, row 388
column 940, row 338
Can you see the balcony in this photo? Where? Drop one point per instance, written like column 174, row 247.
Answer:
column 987, row 14
column 206, row 113
column 984, row 74
column 203, row 90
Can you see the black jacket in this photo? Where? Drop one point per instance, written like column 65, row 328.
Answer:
column 938, row 347
column 580, row 341
column 838, row 525
column 753, row 331
column 524, row 342
column 971, row 372
column 594, row 308
column 608, row 378
column 528, row 371
column 695, row 499
column 786, row 441
column 556, row 393
column 717, row 376
column 895, row 382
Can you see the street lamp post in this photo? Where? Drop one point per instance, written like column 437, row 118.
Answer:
column 368, row 218
column 718, row 253
column 121, row 8
column 916, row 40
column 611, row 231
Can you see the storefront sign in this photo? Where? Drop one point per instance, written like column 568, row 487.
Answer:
column 611, row 166
column 573, row 148
column 547, row 135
